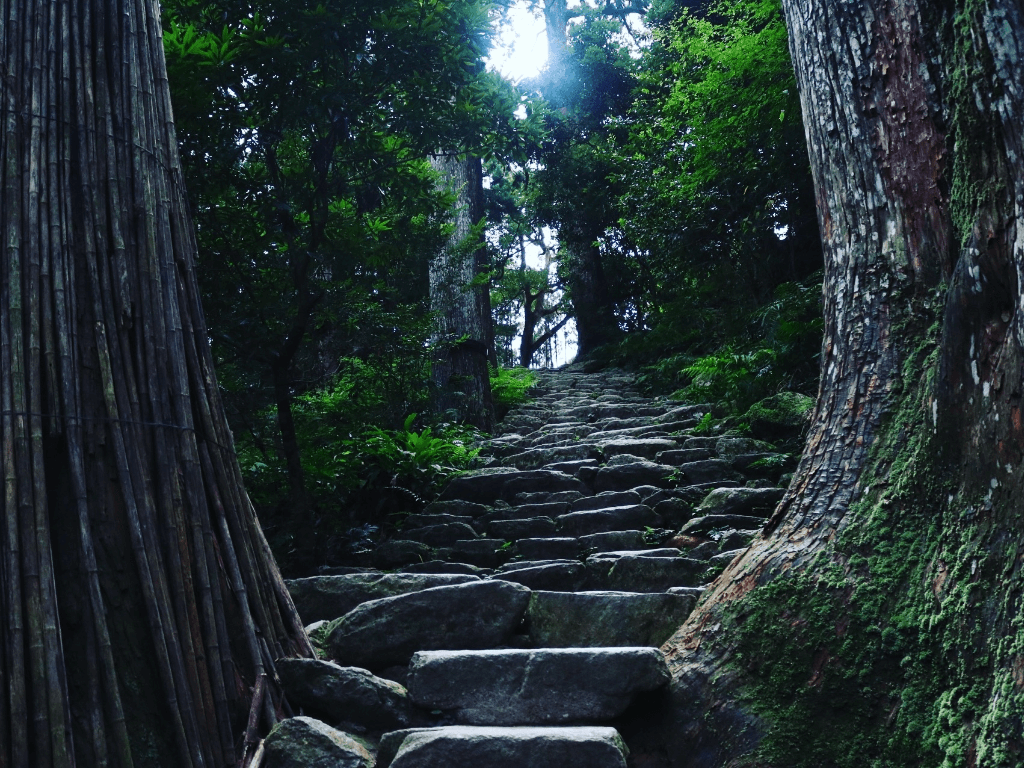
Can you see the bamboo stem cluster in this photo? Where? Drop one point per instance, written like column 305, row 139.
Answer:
column 139, row 598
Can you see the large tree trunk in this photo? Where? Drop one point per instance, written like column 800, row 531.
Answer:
column 139, row 599
column 876, row 620
column 461, row 300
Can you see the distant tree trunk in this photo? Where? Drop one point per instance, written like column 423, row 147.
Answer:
column 139, row 598
column 876, row 620
column 461, row 302
column 588, row 289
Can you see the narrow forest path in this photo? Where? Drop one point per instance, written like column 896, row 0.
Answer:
column 516, row 621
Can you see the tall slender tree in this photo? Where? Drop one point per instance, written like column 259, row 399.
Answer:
column 460, row 298
column 876, row 620
column 140, row 604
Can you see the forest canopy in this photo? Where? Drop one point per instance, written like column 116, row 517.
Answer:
column 650, row 191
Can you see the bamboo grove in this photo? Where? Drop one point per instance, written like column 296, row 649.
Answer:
column 141, row 602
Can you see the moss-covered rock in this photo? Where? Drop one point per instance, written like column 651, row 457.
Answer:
column 780, row 417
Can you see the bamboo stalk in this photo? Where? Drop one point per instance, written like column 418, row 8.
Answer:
column 252, row 729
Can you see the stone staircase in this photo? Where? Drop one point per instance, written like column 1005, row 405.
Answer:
column 515, row 621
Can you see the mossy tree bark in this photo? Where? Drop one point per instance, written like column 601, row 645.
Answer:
column 139, row 599
column 460, row 299
column 876, row 619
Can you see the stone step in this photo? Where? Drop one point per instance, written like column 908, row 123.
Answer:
column 468, row 746
column 489, row 485
column 328, row 597
column 757, row 502
column 511, row 530
column 707, row 523
column 299, row 742
column 536, row 686
column 561, row 576
column 350, row 695
column 627, row 476
column 606, row 500
column 442, row 535
column 631, row 518
column 381, row 633
column 642, row 572
column 606, row 618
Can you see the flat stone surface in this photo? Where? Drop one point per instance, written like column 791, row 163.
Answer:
column 632, row 573
column 542, row 549
column 328, row 597
column 646, row 448
column 346, row 694
column 707, row 523
column 494, row 747
column 603, row 618
column 534, row 687
column 458, row 507
column 610, row 540
column 631, row 518
column 563, row 497
column 424, row 520
column 631, row 475
column 380, row 633
column 571, row 467
column 486, row 553
column 733, row 446
column 444, row 566
column 606, row 500
column 563, row 577
column 302, row 742
column 396, row 553
column 707, row 471
column 541, row 456
column 488, row 485
column 442, row 535
column 677, row 456
column 756, row 502
column 511, row 530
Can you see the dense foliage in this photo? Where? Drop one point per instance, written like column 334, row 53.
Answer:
column 659, row 171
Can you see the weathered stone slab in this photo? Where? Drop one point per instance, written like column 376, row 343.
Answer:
column 548, row 548
column 534, row 687
column 631, row 475
column 479, row 614
column 425, row 520
column 610, row 540
column 631, row 518
column 646, row 448
column 599, row 618
column 443, row 535
column 755, row 502
column 302, row 742
column 678, row 456
column 489, row 485
column 560, row 497
column 708, row 471
column 630, row 572
column 721, row 522
column 458, row 507
column 328, row 597
column 571, row 467
column 561, row 577
column 444, row 566
column 465, row 746
column 511, row 530
column 606, row 500
column 396, row 553
column 346, row 694
column 541, row 456
column 486, row 553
